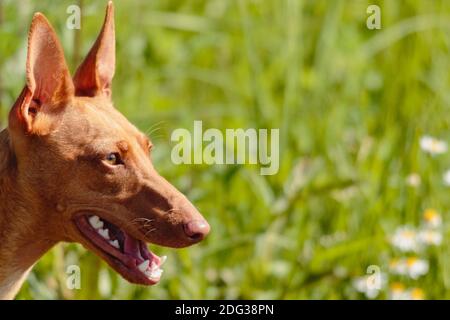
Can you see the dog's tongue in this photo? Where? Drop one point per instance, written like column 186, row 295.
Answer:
column 138, row 250
column 132, row 247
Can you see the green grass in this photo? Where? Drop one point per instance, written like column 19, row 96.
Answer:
column 351, row 105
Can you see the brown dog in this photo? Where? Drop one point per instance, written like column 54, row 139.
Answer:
column 72, row 168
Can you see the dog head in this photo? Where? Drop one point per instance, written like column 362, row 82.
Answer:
column 85, row 168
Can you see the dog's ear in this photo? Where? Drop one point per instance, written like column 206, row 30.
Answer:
column 94, row 76
column 48, row 81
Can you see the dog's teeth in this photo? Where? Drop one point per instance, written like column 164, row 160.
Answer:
column 153, row 266
column 154, row 274
column 115, row 244
column 163, row 259
column 157, row 273
column 148, row 273
column 95, row 222
column 144, row 265
column 104, row 233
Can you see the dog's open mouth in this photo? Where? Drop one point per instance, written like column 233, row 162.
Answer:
column 129, row 256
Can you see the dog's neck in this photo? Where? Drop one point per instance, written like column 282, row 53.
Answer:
column 22, row 242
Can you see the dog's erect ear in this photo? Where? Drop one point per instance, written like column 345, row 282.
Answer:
column 48, row 81
column 95, row 74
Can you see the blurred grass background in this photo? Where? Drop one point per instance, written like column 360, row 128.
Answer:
column 351, row 105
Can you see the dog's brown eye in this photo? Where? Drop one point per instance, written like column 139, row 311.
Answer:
column 113, row 159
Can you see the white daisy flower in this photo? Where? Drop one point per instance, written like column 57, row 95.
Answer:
column 405, row 239
column 416, row 294
column 430, row 237
column 446, row 178
column 398, row 266
column 399, row 292
column 432, row 218
column 432, row 145
column 370, row 285
column 417, row 267
column 412, row 267
column 413, row 180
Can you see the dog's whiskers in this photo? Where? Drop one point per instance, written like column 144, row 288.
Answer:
column 155, row 125
column 149, row 231
column 154, row 128
column 139, row 222
column 172, row 210
column 153, row 131
column 158, row 138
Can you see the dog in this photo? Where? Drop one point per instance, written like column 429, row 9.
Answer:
column 73, row 169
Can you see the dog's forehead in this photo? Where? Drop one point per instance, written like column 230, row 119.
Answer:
column 97, row 119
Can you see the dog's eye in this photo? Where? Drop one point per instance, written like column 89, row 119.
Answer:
column 113, row 159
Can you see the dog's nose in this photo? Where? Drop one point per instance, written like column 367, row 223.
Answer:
column 196, row 230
